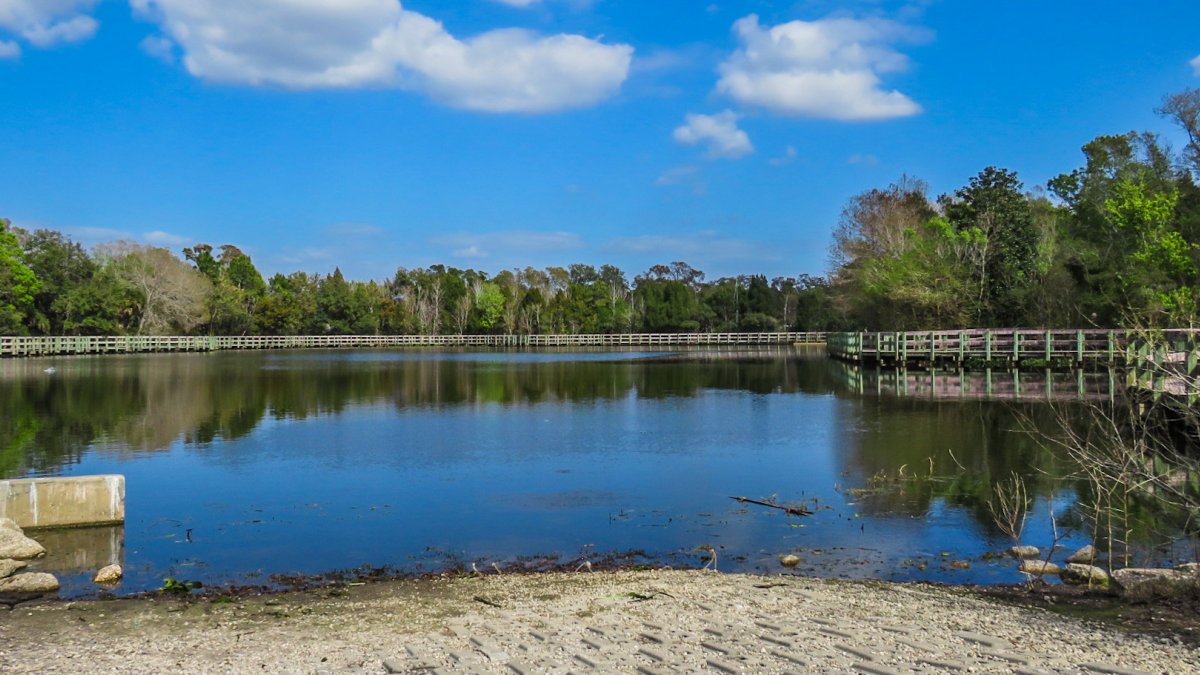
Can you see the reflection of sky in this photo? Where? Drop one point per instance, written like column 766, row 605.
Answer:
column 383, row 484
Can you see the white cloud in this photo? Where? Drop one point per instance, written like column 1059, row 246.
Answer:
column 363, row 43
column 864, row 159
column 702, row 247
column 789, row 156
column 9, row 50
column 677, row 175
column 159, row 47
column 719, row 132
column 518, row 3
column 828, row 68
column 161, row 238
column 1196, row 65
column 483, row 245
column 46, row 22
column 472, row 251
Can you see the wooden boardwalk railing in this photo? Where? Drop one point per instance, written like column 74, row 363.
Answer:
column 125, row 344
column 1160, row 361
column 1004, row 346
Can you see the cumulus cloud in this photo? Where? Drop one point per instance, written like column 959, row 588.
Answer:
column 9, row 50
column 1196, row 65
column 45, row 22
column 719, row 132
column 363, row 43
column 828, row 68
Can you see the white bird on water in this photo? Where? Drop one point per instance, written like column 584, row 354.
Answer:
column 50, row 371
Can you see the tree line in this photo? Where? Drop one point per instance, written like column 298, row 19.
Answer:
column 50, row 285
column 1115, row 242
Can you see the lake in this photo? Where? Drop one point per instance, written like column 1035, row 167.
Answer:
column 242, row 466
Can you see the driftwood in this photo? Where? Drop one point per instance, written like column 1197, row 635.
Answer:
column 790, row 510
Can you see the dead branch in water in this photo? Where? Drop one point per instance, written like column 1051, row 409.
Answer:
column 790, row 510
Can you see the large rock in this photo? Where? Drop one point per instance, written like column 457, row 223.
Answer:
column 109, row 575
column 9, row 524
column 10, row 567
column 1040, row 568
column 1024, row 552
column 14, row 544
column 1078, row 574
column 1189, row 568
column 30, row 584
column 1084, row 556
column 1140, row 583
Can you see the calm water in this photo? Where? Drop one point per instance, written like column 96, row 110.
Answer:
column 243, row 465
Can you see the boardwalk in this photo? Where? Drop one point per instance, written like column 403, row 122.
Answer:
column 993, row 346
column 128, row 344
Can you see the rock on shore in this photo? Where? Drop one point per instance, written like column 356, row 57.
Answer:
column 1040, row 568
column 15, row 545
column 108, row 575
column 1023, row 552
column 1084, row 556
column 1148, row 583
column 11, row 567
column 1078, row 574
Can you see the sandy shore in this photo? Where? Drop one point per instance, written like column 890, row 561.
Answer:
column 650, row 621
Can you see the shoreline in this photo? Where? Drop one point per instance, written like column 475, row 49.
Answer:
column 661, row 620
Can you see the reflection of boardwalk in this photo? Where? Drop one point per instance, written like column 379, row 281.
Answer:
column 991, row 385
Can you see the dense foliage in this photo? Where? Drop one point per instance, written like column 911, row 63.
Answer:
column 1114, row 242
column 50, row 286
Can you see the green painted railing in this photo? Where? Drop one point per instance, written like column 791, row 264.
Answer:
column 1012, row 346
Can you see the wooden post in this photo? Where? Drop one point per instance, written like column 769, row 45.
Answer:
column 1079, row 346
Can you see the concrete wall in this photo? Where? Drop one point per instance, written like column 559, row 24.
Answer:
column 64, row 502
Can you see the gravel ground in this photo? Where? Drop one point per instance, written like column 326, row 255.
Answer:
column 651, row 621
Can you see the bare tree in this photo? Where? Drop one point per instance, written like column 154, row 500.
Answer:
column 172, row 293
column 1184, row 109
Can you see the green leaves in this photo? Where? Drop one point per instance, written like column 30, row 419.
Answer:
column 18, row 284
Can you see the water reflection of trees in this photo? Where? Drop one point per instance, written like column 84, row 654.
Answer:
column 919, row 452
column 146, row 403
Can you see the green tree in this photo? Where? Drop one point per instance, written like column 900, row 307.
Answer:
column 996, row 214
column 1160, row 279
column 489, row 306
column 18, row 284
column 63, row 268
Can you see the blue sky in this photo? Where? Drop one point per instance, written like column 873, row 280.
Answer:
column 373, row 134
